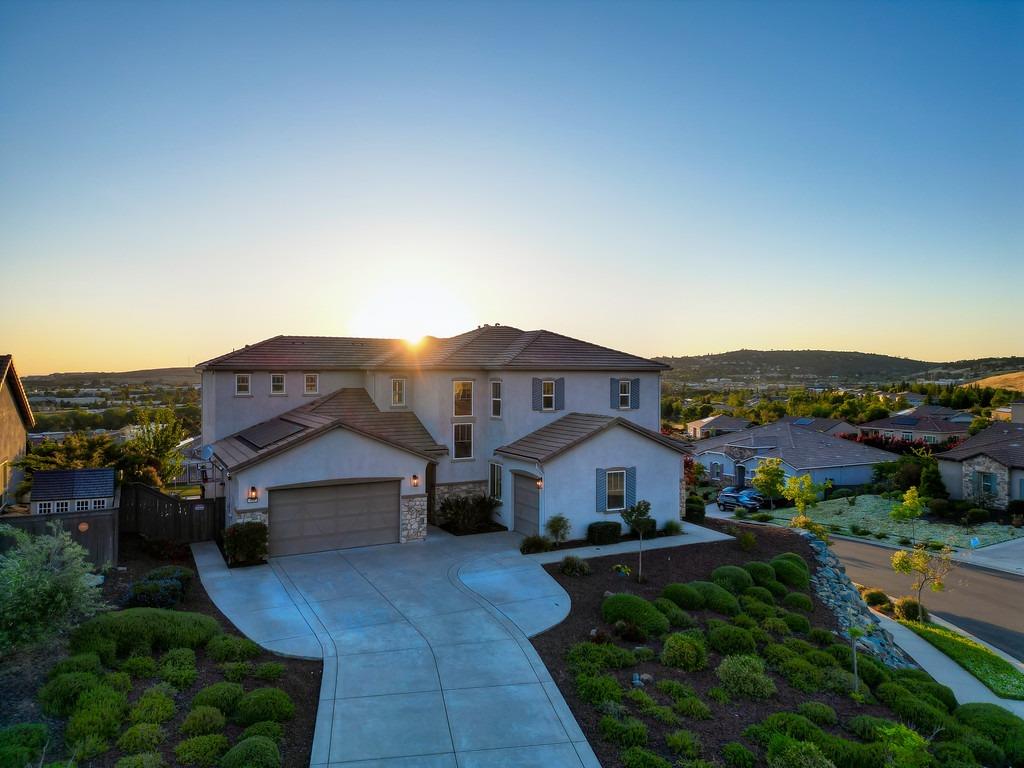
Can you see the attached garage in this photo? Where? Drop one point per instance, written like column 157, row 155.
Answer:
column 319, row 517
column 526, row 499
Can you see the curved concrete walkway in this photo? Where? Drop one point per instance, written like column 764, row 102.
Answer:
column 427, row 660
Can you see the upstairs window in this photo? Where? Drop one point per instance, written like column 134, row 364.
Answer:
column 398, row 393
column 277, row 384
column 547, row 395
column 496, row 399
column 81, row 505
column 62, row 506
column 45, row 507
column 624, row 392
column 462, row 397
column 311, row 383
column 616, row 486
column 242, row 382
column 99, row 503
column 463, row 441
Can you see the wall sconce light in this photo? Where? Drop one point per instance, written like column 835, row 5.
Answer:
column 415, row 481
column 540, row 483
column 253, row 496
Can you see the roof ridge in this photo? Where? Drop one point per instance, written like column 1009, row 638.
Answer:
column 226, row 355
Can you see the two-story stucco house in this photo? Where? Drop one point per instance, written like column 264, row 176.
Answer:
column 340, row 442
column 16, row 420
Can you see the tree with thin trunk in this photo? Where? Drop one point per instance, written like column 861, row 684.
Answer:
column 928, row 569
column 909, row 511
column 638, row 517
column 769, row 479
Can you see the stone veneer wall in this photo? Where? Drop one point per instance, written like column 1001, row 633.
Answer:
column 412, row 522
column 443, row 490
column 986, row 464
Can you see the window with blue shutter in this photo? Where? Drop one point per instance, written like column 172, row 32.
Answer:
column 614, row 393
column 602, row 491
column 630, row 486
column 537, row 394
column 560, row 394
column 634, row 394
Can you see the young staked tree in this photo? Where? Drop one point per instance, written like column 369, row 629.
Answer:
column 909, row 511
column 638, row 517
column 769, row 479
column 928, row 569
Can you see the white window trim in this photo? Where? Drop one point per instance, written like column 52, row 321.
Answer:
column 248, row 384
column 81, row 505
column 404, row 382
column 491, row 480
column 316, row 384
column 607, row 495
column 45, row 507
column 472, row 447
column 907, row 436
column 628, row 394
column 472, row 395
column 497, row 399
column 99, row 503
column 544, row 395
column 61, row 506
column 284, row 384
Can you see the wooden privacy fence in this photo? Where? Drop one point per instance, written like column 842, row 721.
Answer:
column 96, row 530
column 157, row 516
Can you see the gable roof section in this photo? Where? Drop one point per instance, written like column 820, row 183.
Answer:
column 1002, row 441
column 721, row 421
column 487, row 347
column 68, row 484
column 814, row 423
column 570, row 430
column 9, row 379
column 798, row 447
column 350, row 408
column 915, row 423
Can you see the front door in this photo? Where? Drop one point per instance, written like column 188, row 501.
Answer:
column 741, row 475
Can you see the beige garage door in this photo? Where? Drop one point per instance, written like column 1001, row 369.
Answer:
column 323, row 517
column 526, row 499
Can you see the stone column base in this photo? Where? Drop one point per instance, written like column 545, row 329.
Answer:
column 412, row 522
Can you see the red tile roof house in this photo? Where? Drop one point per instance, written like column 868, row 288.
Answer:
column 930, row 429
column 715, row 425
column 341, row 442
column 16, row 420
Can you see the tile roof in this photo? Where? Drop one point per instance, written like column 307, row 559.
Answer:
column 1002, row 441
column 349, row 408
column 916, row 423
column 487, row 347
column 572, row 429
column 800, row 448
column 814, row 423
column 721, row 421
column 9, row 378
column 67, row 484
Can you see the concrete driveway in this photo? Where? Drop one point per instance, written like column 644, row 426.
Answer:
column 426, row 656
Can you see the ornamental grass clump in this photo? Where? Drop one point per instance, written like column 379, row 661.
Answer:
column 597, row 689
column 628, row 732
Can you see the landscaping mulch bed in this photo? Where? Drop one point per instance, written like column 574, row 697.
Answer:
column 22, row 676
column 662, row 567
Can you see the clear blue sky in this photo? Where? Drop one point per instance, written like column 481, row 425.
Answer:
column 177, row 179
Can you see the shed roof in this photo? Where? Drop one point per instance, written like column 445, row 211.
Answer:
column 67, row 484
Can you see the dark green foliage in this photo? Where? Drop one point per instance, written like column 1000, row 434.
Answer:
column 908, row 609
column 729, row 640
column 761, row 573
column 97, row 715
column 790, row 574
column 237, row 671
column 867, row 727
column 595, row 689
column 747, row 541
column 253, row 752
column 935, row 691
column 736, row 755
column 269, row 671
column 676, row 616
column 732, row 578
column 684, row 743
column 1002, row 727
column 202, row 720
column 820, row 659
column 638, row 757
column 154, row 706
column 837, row 680
column 801, row 675
column 798, row 602
column 574, row 566
column 80, row 662
column 626, row 733
column 231, row 648
column 818, row 713
column 953, row 754
column 266, row 728
column 119, row 681
column 776, row 626
column 22, row 744
column 593, row 658
column 683, row 595
column 976, row 516
column 794, row 558
column 464, row 514
column 139, row 666
column 798, row 645
column 264, row 704
column 140, row 631
column 985, row 750
column 695, row 509
column 605, row 532
column 674, row 689
column 924, row 717
column 875, row 597
column 821, row 636
column 777, row 588
column 531, row 545
column 203, row 751
column 797, row 623
column 716, row 598
column 180, row 574
column 59, row 696
column 141, row 760
column 636, row 611
column 691, row 706
column 744, row 620
column 246, row 543
column 178, row 667
column 672, row 528
column 684, row 651
column 223, row 696
column 744, row 677
column 755, row 608
column 760, row 593
column 162, row 593
column 777, row 653
column 141, row 737
column 649, row 707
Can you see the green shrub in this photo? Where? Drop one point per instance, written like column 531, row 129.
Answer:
column 738, row 756
column 153, row 706
column 574, row 566
column 691, row 706
column 266, row 728
column 875, row 597
column 985, row 750
column 264, row 704
column 142, row 760
column 940, row 693
column 729, row 640
column 760, row 572
column 595, row 689
column 672, row 528
column 163, row 593
column 179, row 573
column 755, row 608
column 820, row 659
column 22, row 744
column 719, row 694
column 1002, row 727
column 784, row 752
column 790, row 574
column 202, row 720
column 925, row 717
column 643, row 653
column 650, row 707
column 801, row 674
column 777, row 653
column 223, row 696
column 821, row 636
column 139, row 666
column 908, row 609
column 636, row 611
column 87, row 747
column 794, row 558
column 80, row 662
column 638, row 757
column 141, row 631
column 676, row 616
column 744, row 677
column 141, row 737
column 776, row 626
column 593, row 658
column 535, row 543
column 798, row 645
column 818, row 713
column 684, row 651
column 674, row 689
column 204, row 751
column 953, row 754
column 716, row 598
column 684, row 743
column 747, row 541
column 797, row 623
column 732, row 578
column 744, row 621
column 759, row 593
column 694, row 509
column 626, row 733
column 253, row 752
column 777, row 588
column 59, row 696
column 246, row 543
column 683, row 595
column 798, row 602
column 178, row 667
column 119, row 681
column 237, row 671
column 231, row 648
column 269, row 671
column 604, row 532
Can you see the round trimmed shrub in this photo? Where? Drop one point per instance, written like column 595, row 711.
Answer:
column 691, row 706
column 153, row 706
column 676, row 616
column 139, row 666
column 684, row 651
column 638, row 757
column 728, row 640
column 178, row 667
column 266, row 728
column 141, row 760
column 821, row 636
column 784, row 752
column 80, row 662
column 801, row 674
column 162, row 593
column 140, row 631
column 60, row 695
column 253, row 752
column 203, row 751
column 202, row 720
column 266, row 704
column 777, row 588
column 760, row 572
column 794, row 558
column 776, row 626
column 736, row 755
column 760, row 594
column 790, row 574
column 818, row 713
column 1002, row 727
column 141, row 737
column 908, row 609
column 237, row 671
column 223, row 696
column 269, row 671
column 732, row 578
column 636, row 611
column 756, row 608
column 875, row 597
column 683, row 595
column 797, row 623
column 232, row 648
column 744, row 677
column 716, row 598
column 592, row 658
column 798, row 602
column 744, row 620
column 596, row 689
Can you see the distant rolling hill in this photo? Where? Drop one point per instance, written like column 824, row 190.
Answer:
column 168, row 377
column 1004, row 381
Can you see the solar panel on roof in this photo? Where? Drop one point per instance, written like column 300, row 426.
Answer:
column 269, row 432
column 803, row 421
column 905, row 421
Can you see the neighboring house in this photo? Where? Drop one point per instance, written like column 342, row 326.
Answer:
column 16, row 420
column 340, row 442
column 930, row 429
column 72, row 490
column 987, row 467
column 732, row 459
column 825, row 426
column 1003, row 413
column 715, row 425
column 939, row 412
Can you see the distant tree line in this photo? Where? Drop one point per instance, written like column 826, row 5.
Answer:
column 81, row 420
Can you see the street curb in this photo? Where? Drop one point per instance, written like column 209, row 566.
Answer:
column 1002, row 654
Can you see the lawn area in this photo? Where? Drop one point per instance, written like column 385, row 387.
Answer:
column 998, row 675
column 872, row 513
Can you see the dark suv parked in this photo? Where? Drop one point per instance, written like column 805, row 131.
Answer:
column 747, row 498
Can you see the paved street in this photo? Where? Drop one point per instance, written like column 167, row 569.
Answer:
column 985, row 603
